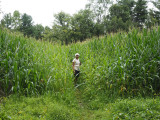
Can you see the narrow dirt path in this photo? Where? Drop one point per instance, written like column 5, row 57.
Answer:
column 79, row 98
column 86, row 114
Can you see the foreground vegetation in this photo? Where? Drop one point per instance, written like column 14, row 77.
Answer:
column 116, row 69
column 47, row 108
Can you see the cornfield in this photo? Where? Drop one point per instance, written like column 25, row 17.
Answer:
column 119, row 65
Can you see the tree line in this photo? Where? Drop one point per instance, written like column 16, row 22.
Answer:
column 98, row 18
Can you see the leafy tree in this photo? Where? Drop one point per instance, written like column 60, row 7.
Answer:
column 116, row 24
column 99, row 8
column 11, row 22
column 118, row 19
column 129, row 4
column 16, row 20
column 61, row 27
column 38, row 31
column 7, row 21
column 155, row 14
column 153, row 18
column 140, row 12
column 27, row 25
column 82, row 25
column 120, row 12
column 75, row 25
column 99, row 29
column 156, row 4
column 48, row 34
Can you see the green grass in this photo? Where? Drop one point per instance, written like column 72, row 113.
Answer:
column 47, row 108
column 121, row 66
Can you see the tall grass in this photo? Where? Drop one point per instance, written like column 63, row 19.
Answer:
column 121, row 65
column 18, row 72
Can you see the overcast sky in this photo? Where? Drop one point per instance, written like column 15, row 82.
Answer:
column 42, row 11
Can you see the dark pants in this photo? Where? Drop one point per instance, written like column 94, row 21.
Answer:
column 76, row 75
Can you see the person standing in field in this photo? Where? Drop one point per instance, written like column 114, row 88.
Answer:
column 76, row 65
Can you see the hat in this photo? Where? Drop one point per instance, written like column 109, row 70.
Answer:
column 77, row 54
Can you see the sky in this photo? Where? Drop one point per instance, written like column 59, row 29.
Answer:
column 42, row 11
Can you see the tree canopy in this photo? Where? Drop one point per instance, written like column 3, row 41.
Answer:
column 98, row 18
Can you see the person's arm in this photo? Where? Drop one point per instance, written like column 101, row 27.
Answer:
column 73, row 66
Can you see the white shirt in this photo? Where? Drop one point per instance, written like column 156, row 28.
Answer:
column 76, row 64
